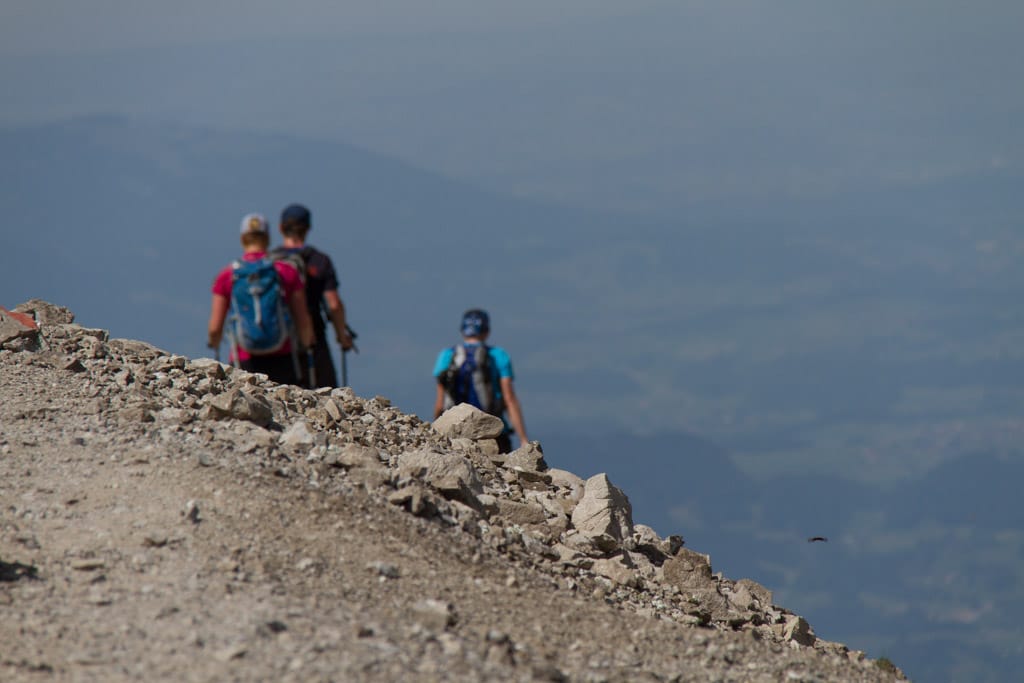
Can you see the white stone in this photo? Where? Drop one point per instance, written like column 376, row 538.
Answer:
column 466, row 421
column 603, row 510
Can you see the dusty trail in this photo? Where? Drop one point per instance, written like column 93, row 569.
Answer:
column 149, row 533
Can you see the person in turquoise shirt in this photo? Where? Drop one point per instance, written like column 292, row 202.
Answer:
column 472, row 372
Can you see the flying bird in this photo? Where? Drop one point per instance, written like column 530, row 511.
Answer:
column 815, row 539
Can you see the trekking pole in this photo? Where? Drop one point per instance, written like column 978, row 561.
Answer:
column 311, row 367
column 233, row 358
column 344, row 356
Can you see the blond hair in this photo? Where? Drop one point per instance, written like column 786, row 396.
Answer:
column 254, row 239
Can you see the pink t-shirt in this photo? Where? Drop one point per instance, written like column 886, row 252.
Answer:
column 290, row 281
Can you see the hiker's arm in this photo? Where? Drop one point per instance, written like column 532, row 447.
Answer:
column 439, row 401
column 515, row 413
column 336, row 312
column 297, row 304
column 215, row 328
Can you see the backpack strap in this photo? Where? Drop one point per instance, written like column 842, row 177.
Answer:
column 459, row 354
column 497, row 406
column 296, row 259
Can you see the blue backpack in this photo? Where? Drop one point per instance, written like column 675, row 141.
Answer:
column 468, row 379
column 259, row 322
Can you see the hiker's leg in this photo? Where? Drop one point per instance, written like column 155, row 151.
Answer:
column 325, row 376
column 505, row 443
column 278, row 367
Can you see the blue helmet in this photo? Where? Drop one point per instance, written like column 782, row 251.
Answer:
column 475, row 322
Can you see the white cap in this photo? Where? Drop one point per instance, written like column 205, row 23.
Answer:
column 255, row 222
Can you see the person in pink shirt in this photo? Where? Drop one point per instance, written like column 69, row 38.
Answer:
column 278, row 365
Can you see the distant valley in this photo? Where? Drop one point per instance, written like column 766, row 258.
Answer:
column 853, row 367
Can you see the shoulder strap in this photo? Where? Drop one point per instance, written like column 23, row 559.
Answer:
column 485, row 363
column 292, row 258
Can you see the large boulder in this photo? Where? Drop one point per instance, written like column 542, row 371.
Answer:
column 604, row 511
column 453, row 475
column 468, row 422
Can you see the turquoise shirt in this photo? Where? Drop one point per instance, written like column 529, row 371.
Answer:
column 501, row 366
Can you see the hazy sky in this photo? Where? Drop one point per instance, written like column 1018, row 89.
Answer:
column 31, row 26
column 641, row 105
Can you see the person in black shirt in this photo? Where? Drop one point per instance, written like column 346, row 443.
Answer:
column 321, row 291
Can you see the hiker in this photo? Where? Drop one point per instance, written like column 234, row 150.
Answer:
column 258, row 291
column 472, row 372
column 321, row 291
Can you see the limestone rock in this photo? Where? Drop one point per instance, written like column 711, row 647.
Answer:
column 45, row 313
column 467, row 422
column 413, row 499
column 208, row 367
column 571, row 556
column 465, row 445
column 488, row 447
column 241, row 405
column 334, row 410
column 751, row 595
column 435, row 615
column 604, row 510
column 583, row 544
column 797, row 630
column 521, row 513
column 298, row 434
column 128, row 349
column 619, row 568
column 137, row 413
column 655, row 548
column 566, row 480
column 488, row 503
column 529, row 458
column 688, row 570
column 453, row 475
column 355, row 456
column 16, row 325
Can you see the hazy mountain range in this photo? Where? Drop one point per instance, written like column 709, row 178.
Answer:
column 852, row 365
column 649, row 106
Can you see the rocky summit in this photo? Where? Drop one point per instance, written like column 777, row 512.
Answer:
column 167, row 518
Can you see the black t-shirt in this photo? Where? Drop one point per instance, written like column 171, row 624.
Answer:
column 320, row 277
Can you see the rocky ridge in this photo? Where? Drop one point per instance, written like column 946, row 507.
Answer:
column 178, row 519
